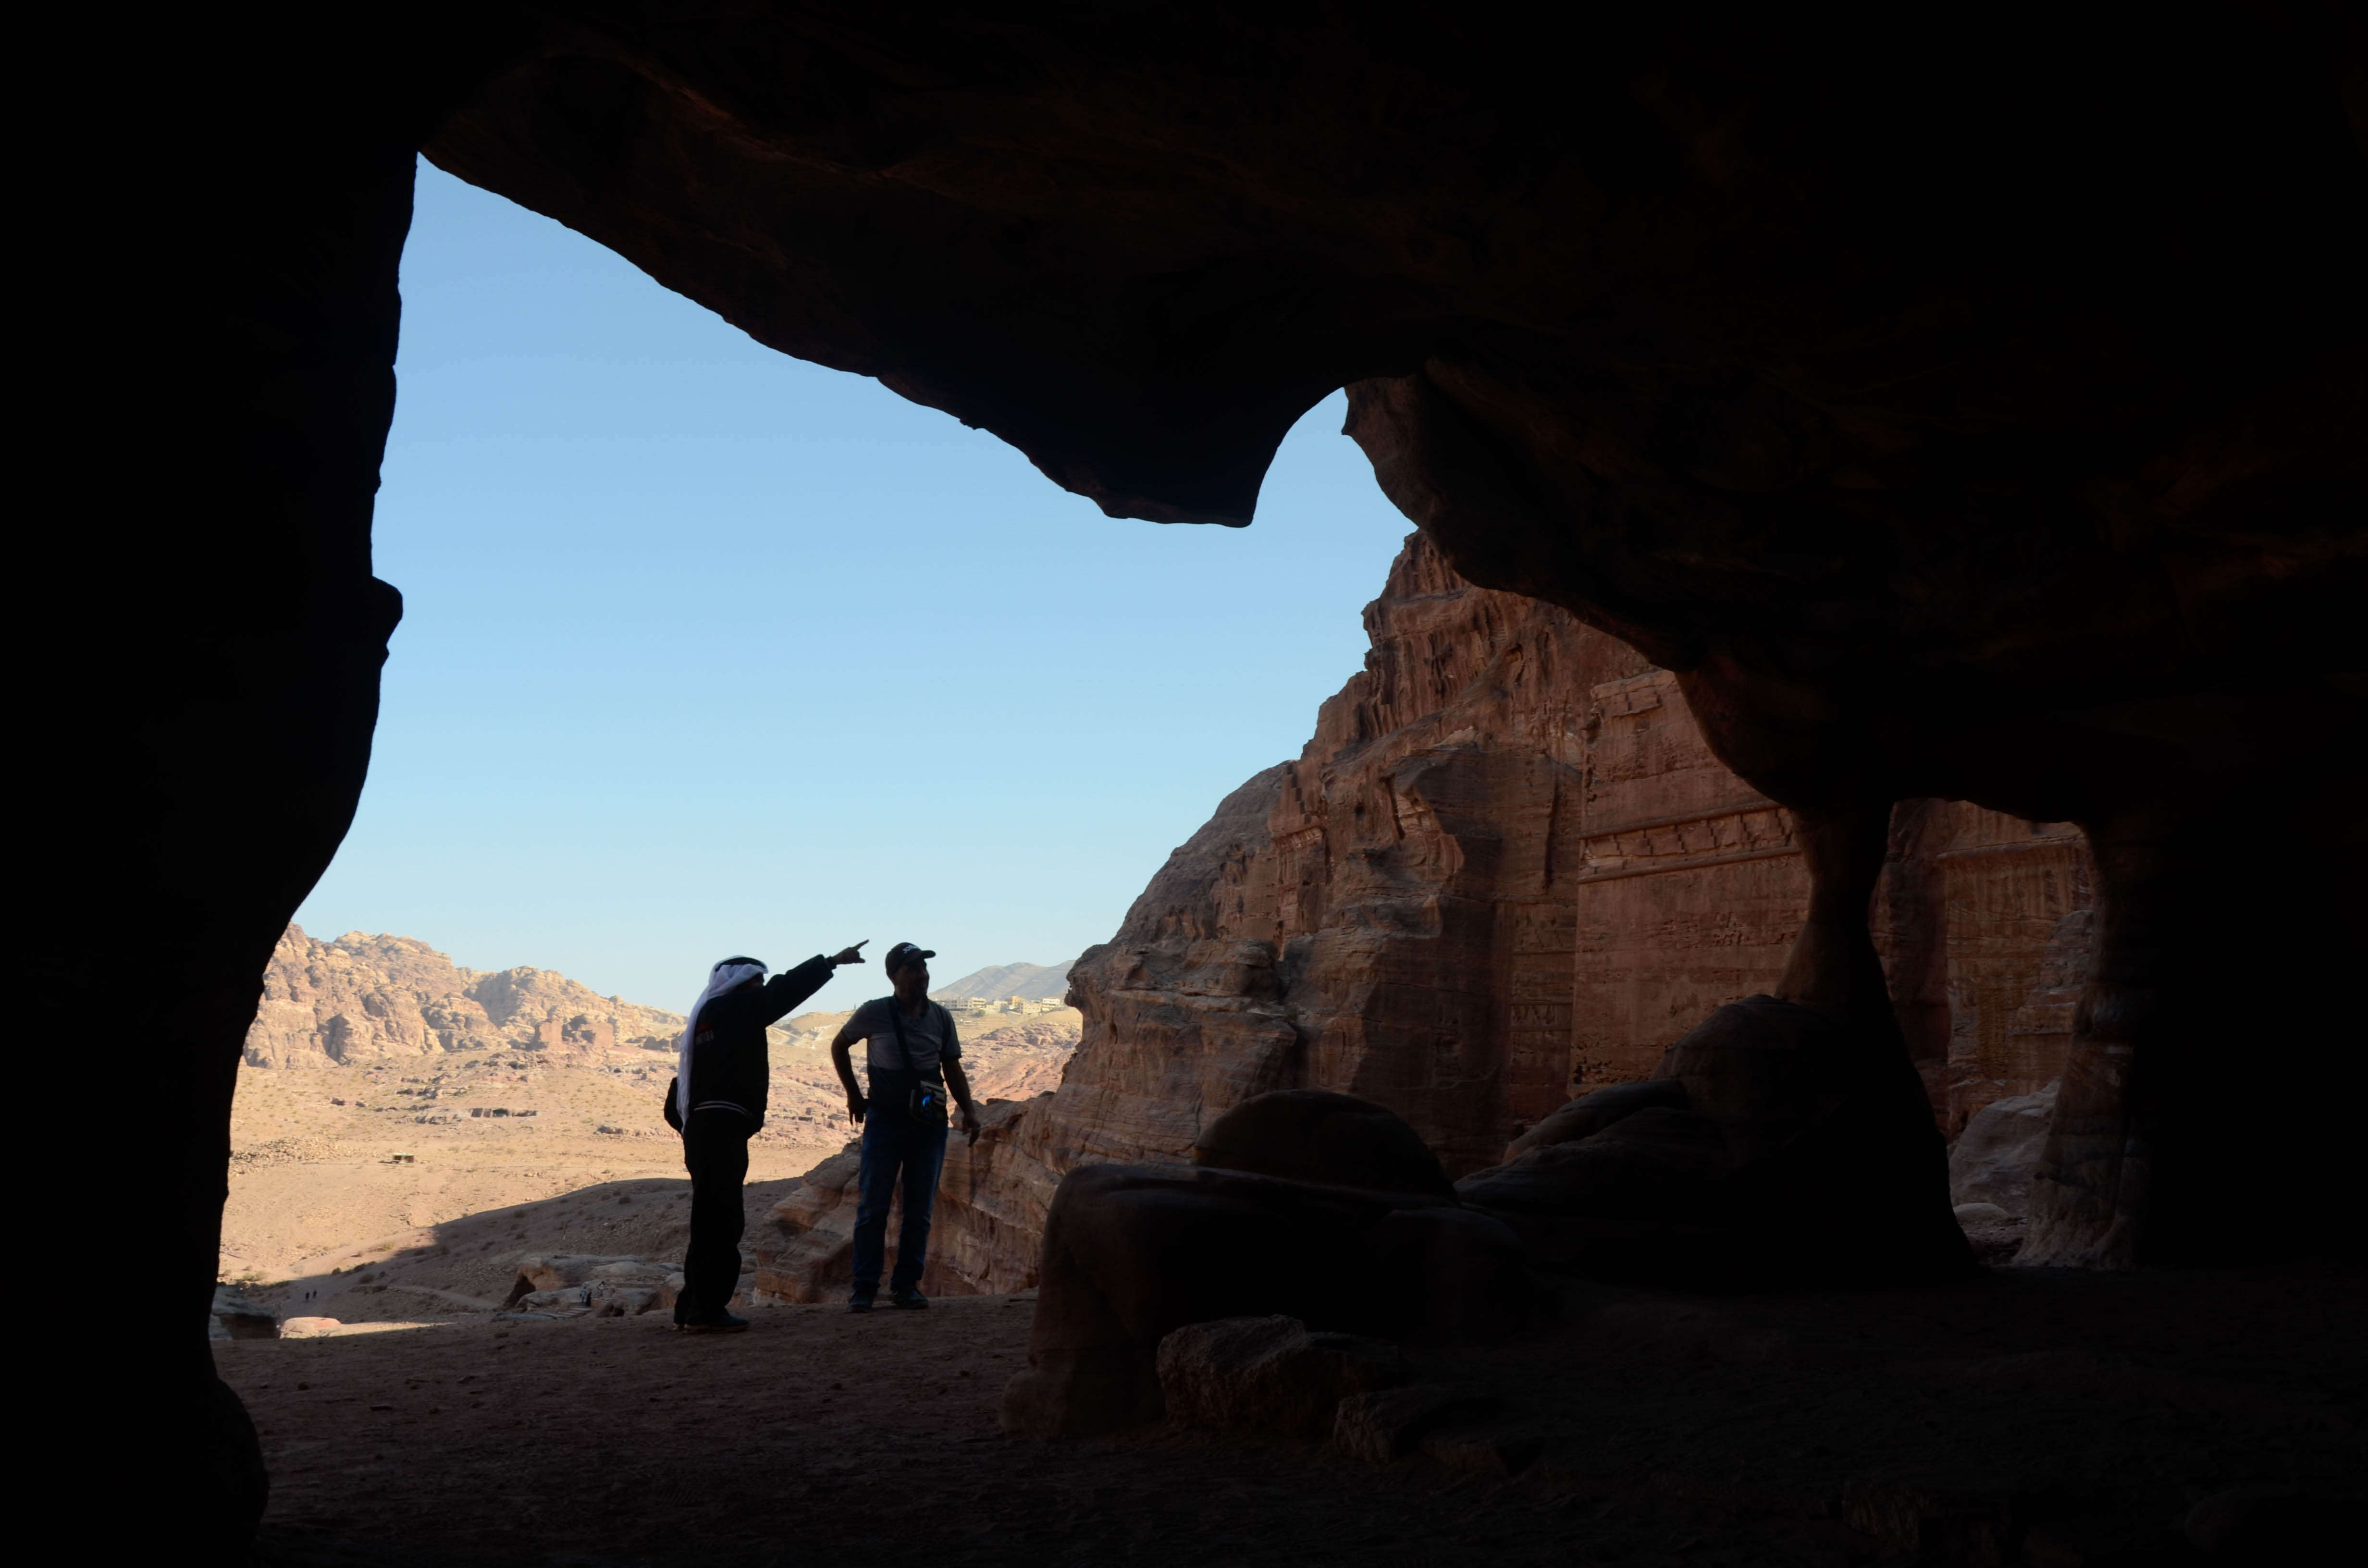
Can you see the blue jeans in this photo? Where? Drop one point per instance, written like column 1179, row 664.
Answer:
column 893, row 1146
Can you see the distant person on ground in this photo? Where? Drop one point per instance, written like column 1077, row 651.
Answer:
column 717, row 1103
column 913, row 1059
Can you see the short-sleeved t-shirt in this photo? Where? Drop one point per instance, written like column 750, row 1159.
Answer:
column 930, row 1037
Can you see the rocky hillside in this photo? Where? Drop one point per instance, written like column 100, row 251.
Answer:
column 385, row 1001
column 369, row 998
column 1032, row 981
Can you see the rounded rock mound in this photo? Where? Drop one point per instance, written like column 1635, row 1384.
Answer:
column 1333, row 1140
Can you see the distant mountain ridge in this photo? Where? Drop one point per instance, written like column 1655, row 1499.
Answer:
column 365, row 998
column 1032, row 981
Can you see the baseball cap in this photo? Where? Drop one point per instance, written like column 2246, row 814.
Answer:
column 903, row 952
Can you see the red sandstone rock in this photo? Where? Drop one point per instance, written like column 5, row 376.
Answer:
column 359, row 998
column 986, row 1232
column 1999, row 1152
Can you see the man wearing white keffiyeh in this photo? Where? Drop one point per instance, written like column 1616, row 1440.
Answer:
column 717, row 1101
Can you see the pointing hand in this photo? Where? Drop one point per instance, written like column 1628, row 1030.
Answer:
column 850, row 955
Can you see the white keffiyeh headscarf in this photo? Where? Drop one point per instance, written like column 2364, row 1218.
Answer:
column 720, row 979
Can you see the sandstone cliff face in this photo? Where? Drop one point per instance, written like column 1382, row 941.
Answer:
column 1506, row 871
column 362, row 998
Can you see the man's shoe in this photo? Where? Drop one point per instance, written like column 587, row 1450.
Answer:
column 860, row 1302
column 908, row 1301
column 723, row 1324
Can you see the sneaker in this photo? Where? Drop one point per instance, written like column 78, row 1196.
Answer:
column 723, row 1324
column 908, row 1301
column 860, row 1302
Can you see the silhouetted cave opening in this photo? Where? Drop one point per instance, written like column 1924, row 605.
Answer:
column 1960, row 412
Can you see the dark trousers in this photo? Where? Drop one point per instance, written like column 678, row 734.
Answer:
column 715, row 1150
column 893, row 1146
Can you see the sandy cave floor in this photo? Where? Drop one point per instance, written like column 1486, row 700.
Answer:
column 1687, row 1431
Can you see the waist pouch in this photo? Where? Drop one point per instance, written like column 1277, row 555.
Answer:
column 920, row 1099
column 924, row 1099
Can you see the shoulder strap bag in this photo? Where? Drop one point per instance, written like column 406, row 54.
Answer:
column 925, row 1103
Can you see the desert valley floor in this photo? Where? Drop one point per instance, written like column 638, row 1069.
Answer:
column 514, row 1151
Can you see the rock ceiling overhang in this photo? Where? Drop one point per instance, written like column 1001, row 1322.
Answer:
column 1870, row 371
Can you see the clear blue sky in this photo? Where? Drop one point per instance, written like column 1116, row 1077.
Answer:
column 708, row 650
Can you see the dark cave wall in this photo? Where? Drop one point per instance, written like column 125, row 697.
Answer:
column 1966, row 403
column 206, row 322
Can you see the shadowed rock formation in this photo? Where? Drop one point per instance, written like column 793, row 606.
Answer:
column 1963, row 403
column 1773, row 1137
column 1332, row 1140
column 1133, row 1252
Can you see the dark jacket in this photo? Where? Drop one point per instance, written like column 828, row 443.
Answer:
column 730, row 1064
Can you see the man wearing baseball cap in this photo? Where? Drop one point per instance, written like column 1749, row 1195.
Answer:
column 913, row 1059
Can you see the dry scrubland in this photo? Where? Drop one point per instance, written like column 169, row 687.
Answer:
column 318, row 1200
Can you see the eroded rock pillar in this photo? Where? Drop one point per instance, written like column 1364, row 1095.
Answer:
column 1834, row 970
column 213, row 346
column 2211, row 1095
column 1833, row 966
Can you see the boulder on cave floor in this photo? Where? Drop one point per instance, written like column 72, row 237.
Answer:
column 1994, row 1235
column 1997, row 1153
column 1269, row 1374
column 1771, row 1139
column 1649, row 1196
column 1593, row 1112
column 578, row 1284
column 805, row 1245
column 1315, row 1135
column 1133, row 1252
